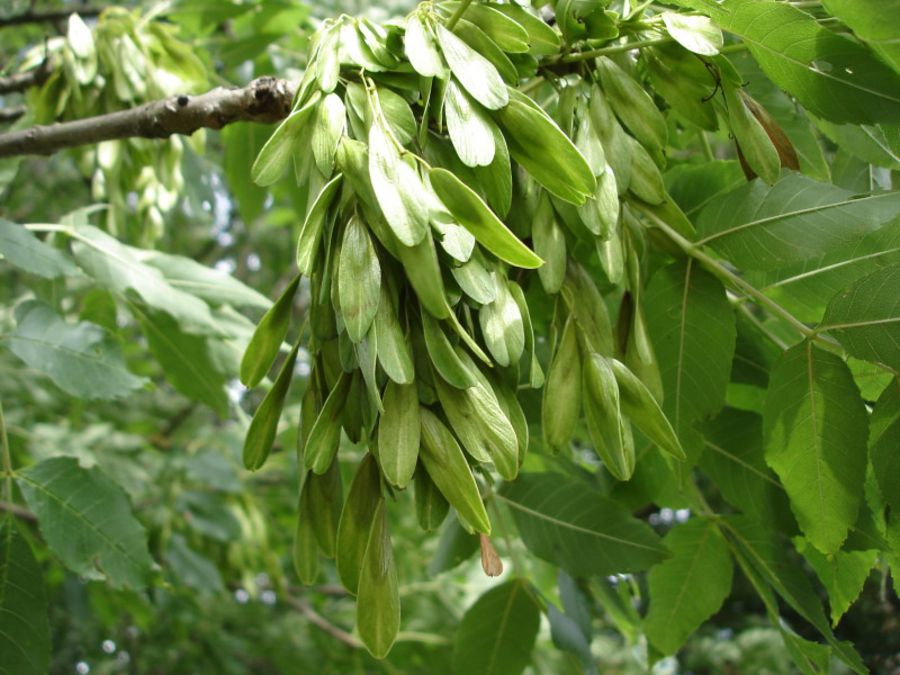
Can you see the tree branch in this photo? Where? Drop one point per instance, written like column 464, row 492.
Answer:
column 265, row 100
column 48, row 17
column 320, row 621
column 30, row 78
column 11, row 113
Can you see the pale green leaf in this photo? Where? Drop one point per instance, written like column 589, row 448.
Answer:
column 797, row 219
column 689, row 587
column 865, row 317
column 815, row 431
column 21, row 248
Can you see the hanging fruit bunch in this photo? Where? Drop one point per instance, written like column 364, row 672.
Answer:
column 426, row 171
column 126, row 60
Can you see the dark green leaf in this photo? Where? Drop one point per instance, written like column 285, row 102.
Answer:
column 24, row 629
column 86, row 520
column 378, row 602
column 564, row 522
column 815, row 431
column 497, row 634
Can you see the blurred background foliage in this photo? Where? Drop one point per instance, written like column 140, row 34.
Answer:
column 226, row 600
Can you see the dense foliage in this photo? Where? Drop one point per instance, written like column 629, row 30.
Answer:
column 605, row 291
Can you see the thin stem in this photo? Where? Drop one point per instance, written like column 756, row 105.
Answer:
column 707, row 148
column 6, row 459
column 724, row 273
column 457, row 15
column 615, row 49
column 731, row 49
column 743, row 309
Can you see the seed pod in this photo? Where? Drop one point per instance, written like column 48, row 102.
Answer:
column 757, row 149
column 643, row 410
column 443, row 357
column 603, row 416
column 421, row 49
column 633, row 104
column 502, row 326
column 446, row 465
column 322, row 444
column 305, row 548
column 355, row 524
column 481, row 424
column 490, row 561
column 786, row 152
column 399, row 433
column 431, row 506
column 470, row 129
column 360, row 280
column 378, row 602
column 328, row 127
column 268, row 336
column 549, row 244
column 325, row 496
column 393, row 348
column 646, row 180
column 587, row 305
column 561, row 404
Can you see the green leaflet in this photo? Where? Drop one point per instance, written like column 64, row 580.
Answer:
column 313, row 226
column 502, row 326
column 397, row 186
column 540, row 146
column 468, row 208
column 447, row 467
column 363, row 499
column 815, row 429
column 752, row 139
column 644, row 412
column 561, row 403
column 431, row 506
column 325, row 500
column 421, row 49
column 700, row 568
column 550, row 244
column 477, row 75
column 443, row 357
column 268, row 336
column 263, row 426
column 272, row 160
column 378, row 601
column 398, row 434
column 359, row 285
column 865, row 317
column 471, row 130
column 25, row 639
column 328, row 127
column 632, row 105
column 325, row 435
column 497, row 634
column 610, row 433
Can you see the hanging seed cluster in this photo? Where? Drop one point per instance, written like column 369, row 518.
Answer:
column 426, row 170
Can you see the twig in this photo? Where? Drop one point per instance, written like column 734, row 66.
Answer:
column 457, row 15
column 19, row 512
column 48, row 17
column 6, row 459
column 265, row 100
column 30, row 78
column 614, row 49
column 321, row 622
column 12, row 113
